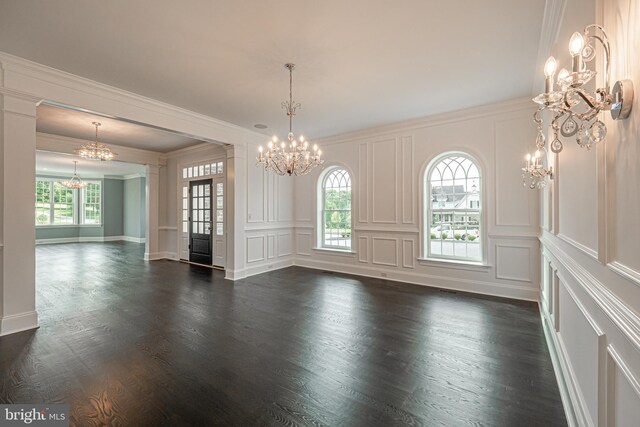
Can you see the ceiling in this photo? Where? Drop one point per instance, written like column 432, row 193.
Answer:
column 57, row 164
column 78, row 124
column 360, row 63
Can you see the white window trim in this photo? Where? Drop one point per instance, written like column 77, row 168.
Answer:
column 80, row 205
column 426, row 258
column 320, row 246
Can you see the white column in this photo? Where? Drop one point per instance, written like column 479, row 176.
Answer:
column 152, row 205
column 236, row 211
column 17, row 213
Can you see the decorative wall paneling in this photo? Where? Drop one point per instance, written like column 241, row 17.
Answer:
column 590, row 245
column 388, row 165
column 269, row 229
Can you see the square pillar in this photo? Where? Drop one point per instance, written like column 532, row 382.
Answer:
column 236, row 211
column 152, row 204
column 17, row 213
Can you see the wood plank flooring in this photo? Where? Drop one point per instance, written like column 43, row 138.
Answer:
column 130, row 343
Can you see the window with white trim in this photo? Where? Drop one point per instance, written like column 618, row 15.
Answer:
column 453, row 209
column 335, row 208
column 58, row 205
column 205, row 169
column 91, row 204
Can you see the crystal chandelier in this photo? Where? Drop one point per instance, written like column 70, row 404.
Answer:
column 95, row 150
column 75, row 181
column 293, row 158
column 575, row 110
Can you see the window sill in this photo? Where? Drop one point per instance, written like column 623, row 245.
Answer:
column 69, row 226
column 336, row 251
column 457, row 264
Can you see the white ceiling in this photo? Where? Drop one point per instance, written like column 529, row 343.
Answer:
column 77, row 124
column 361, row 63
column 57, row 164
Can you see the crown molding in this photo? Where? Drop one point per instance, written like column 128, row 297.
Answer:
column 133, row 176
column 21, row 77
column 194, row 149
column 505, row 107
column 67, row 145
column 551, row 23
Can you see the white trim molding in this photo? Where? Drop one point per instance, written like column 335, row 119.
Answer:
column 97, row 239
column 18, row 322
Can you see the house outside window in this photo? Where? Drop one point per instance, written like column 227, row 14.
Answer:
column 453, row 209
column 58, row 205
column 335, row 209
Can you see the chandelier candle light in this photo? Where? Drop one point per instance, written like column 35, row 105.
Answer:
column 75, row 181
column 293, row 158
column 95, row 150
column 575, row 111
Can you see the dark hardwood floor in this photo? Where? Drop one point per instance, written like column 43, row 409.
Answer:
column 130, row 343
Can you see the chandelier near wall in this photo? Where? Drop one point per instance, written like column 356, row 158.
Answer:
column 575, row 111
column 95, row 150
column 75, row 181
column 293, row 158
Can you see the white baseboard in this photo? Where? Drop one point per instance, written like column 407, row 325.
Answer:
column 444, row 282
column 97, row 239
column 168, row 255
column 133, row 239
column 258, row 269
column 18, row 322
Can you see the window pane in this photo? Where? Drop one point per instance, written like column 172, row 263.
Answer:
column 220, row 167
column 62, row 204
column 207, row 169
column 43, row 202
column 92, row 203
column 337, row 210
column 453, row 209
column 184, row 172
column 219, row 229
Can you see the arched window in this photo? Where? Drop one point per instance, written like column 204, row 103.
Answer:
column 335, row 209
column 453, row 206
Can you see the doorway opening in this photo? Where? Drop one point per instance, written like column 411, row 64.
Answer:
column 202, row 235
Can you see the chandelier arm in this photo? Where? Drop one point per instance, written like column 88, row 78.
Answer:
column 604, row 40
column 276, row 167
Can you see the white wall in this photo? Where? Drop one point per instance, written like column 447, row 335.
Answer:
column 269, row 224
column 590, row 287
column 387, row 166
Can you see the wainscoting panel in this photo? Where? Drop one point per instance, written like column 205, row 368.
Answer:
column 513, row 206
column 363, row 249
column 385, row 251
column 384, row 181
column 303, row 243
column 284, row 244
column 256, row 202
column 622, row 392
column 513, row 262
column 407, row 175
column 408, row 253
column 581, row 340
column 271, row 246
column 255, row 248
column 363, row 180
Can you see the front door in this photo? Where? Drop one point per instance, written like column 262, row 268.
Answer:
column 200, row 221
